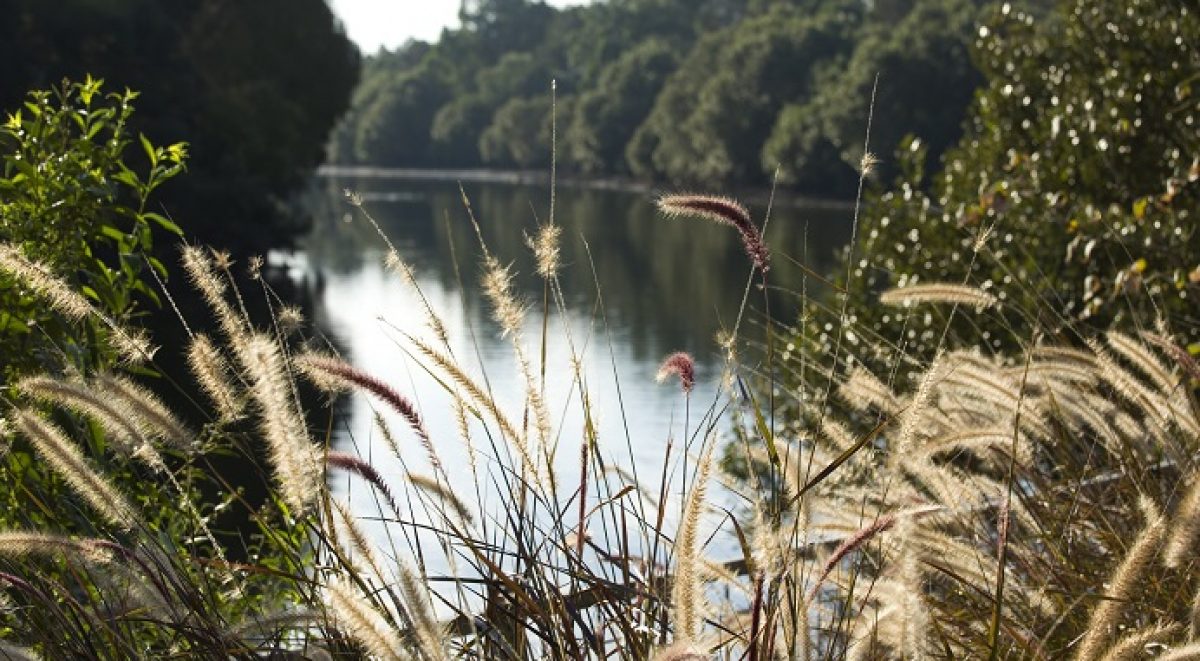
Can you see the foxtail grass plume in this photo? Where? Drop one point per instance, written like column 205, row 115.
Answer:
column 353, row 464
column 1133, row 646
column 679, row 364
column 545, row 246
column 477, row 394
column 334, row 374
column 416, row 598
column 68, row 461
column 507, row 309
column 687, row 595
column 396, row 264
column 149, row 413
column 725, row 211
column 362, row 622
column 22, row 543
column 938, row 292
column 350, row 537
column 132, row 345
column 863, row 391
column 296, row 467
column 443, row 493
column 211, row 371
column 847, row 546
column 199, row 267
column 123, row 436
column 1123, row 585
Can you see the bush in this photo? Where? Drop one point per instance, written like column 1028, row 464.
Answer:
column 71, row 198
column 1073, row 195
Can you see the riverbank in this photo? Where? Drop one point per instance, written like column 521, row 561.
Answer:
column 751, row 195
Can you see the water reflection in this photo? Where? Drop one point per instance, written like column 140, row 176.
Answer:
column 666, row 285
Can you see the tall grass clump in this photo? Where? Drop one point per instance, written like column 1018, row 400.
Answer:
column 973, row 502
column 951, row 467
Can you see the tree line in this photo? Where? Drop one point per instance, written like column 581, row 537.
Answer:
column 685, row 91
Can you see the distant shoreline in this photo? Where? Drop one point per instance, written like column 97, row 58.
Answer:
column 542, row 178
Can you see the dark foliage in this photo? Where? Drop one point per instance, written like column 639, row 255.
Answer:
column 255, row 96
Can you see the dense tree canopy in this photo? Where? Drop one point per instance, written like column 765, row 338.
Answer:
column 1073, row 195
column 255, row 96
column 689, row 91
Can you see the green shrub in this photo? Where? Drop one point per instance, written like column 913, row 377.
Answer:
column 1073, row 195
column 71, row 198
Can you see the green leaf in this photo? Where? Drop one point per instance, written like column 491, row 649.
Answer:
column 164, row 222
column 112, row 232
column 151, row 152
column 128, row 177
column 89, row 88
column 760, row 423
column 158, row 266
column 842, row 458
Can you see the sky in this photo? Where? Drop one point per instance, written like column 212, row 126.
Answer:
column 375, row 23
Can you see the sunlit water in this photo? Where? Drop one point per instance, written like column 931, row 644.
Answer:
column 636, row 288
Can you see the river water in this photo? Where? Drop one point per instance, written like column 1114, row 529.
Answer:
column 636, row 288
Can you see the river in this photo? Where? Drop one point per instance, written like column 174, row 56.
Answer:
column 665, row 285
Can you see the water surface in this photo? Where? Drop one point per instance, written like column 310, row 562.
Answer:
column 636, row 288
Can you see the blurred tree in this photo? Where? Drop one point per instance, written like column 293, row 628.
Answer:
column 920, row 51
column 256, row 95
column 393, row 125
column 458, row 125
column 711, row 92
column 714, row 114
column 1073, row 194
column 607, row 114
column 519, row 134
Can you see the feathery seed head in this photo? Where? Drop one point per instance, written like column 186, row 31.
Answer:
column 507, row 310
column 133, row 346
column 65, row 459
column 545, row 248
column 41, row 279
column 416, row 598
column 366, row 471
column 679, row 364
column 22, row 543
column 867, row 164
column 222, row 259
column 938, row 292
column 254, row 267
column 334, row 374
column 442, row 492
column 362, row 622
column 687, row 595
column 725, row 211
column 149, row 413
column 296, row 466
column 212, row 373
column 291, row 319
